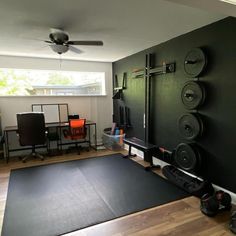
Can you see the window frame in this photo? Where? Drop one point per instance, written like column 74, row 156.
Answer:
column 103, row 84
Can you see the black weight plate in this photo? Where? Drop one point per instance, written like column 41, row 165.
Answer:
column 195, row 62
column 192, row 95
column 190, row 126
column 186, row 157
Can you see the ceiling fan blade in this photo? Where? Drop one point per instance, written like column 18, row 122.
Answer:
column 86, row 43
column 75, row 50
column 47, row 41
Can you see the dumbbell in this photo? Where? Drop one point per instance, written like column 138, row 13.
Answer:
column 213, row 204
column 224, row 200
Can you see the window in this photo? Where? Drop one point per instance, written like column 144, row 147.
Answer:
column 24, row 82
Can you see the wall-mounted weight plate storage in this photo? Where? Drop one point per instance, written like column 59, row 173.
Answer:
column 190, row 126
column 195, row 62
column 193, row 95
column 188, row 156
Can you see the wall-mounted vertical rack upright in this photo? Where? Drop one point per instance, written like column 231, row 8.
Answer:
column 147, row 73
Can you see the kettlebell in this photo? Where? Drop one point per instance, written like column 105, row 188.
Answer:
column 213, row 204
column 209, row 205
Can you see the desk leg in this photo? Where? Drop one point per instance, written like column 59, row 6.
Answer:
column 129, row 153
column 95, row 136
column 89, row 127
column 6, row 146
column 59, row 142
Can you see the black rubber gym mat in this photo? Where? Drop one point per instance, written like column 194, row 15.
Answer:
column 59, row 198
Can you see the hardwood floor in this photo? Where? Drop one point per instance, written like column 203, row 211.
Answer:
column 181, row 217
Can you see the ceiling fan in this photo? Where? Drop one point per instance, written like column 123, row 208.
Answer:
column 60, row 43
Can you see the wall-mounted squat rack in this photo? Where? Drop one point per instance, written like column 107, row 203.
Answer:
column 150, row 71
column 147, row 73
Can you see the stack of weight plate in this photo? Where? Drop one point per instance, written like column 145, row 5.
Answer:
column 187, row 155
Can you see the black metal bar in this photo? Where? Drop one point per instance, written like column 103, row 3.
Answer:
column 42, row 104
column 130, row 155
column 121, row 115
column 95, row 133
column 6, row 146
column 68, row 143
column 27, row 148
column 124, row 80
column 145, row 98
column 89, row 136
column 116, row 82
column 126, row 116
column 147, row 95
column 150, row 64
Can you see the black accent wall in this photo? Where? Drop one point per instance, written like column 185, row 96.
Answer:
column 218, row 40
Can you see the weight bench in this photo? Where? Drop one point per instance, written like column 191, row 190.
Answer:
column 147, row 148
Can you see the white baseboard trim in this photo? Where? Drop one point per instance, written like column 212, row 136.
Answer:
column 162, row 164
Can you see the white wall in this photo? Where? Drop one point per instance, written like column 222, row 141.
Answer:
column 97, row 108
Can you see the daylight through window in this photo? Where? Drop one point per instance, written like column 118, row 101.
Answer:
column 22, row 82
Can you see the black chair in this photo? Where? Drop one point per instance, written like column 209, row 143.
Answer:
column 31, row 131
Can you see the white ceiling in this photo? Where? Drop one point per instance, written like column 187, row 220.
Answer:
column 125, row 26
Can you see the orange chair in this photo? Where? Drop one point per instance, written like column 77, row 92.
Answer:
column 76, row 132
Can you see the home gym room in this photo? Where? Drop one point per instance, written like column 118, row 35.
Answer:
column 117, row 117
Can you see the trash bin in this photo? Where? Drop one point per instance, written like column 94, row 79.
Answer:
column 112, row 142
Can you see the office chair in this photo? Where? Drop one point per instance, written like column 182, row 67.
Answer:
column 76, row 132
column 31, row 131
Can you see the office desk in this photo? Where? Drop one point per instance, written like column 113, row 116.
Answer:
column 59, row 127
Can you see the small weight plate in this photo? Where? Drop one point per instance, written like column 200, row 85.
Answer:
column 190, row 126
column 195, row 62
column 192, row 95
column 186, row 157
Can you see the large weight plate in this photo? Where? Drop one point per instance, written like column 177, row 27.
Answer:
column 190, row 126
column 195, row 62
column 187, row 156
column 192, row 95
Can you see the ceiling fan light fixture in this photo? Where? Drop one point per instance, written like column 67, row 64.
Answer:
column 229, row 1
column 59, row 42
column 59, row 48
